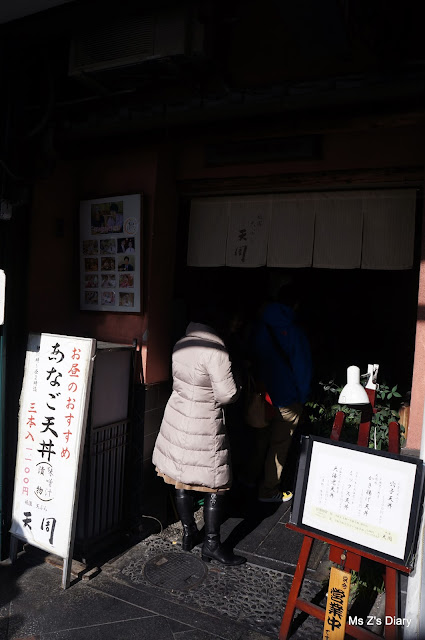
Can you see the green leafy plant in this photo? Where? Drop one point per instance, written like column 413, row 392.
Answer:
column 369, row 579
column 324, row 405
column 385, row 414
column 366, row 585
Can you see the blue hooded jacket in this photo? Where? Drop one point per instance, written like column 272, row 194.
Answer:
column 287, row 380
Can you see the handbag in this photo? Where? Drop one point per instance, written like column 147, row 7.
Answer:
column 257, row 410
column 255, row 413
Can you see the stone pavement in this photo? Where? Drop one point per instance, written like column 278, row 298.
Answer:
column 154, row 590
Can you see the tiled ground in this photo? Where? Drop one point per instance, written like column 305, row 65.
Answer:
column 250, row 594
column 241, row 603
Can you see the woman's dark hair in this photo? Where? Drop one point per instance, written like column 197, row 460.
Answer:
column 210, row 314
column 288, row 295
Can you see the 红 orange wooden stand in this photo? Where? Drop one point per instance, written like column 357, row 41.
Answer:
column 343, row 554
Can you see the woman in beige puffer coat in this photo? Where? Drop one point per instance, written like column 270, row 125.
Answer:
column 192, row 448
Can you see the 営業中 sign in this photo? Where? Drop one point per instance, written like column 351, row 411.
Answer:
column 337, row 605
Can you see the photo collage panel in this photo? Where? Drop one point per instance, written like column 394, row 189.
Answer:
column 109, row 258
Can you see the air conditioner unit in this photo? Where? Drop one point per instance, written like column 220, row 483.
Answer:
column 135, row 40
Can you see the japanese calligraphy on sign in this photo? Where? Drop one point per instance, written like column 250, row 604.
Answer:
column 337, row 605
column 52, row 418
column 360, row 497
column 110, row 255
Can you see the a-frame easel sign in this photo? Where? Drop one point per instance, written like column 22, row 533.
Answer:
column 365, row 504
column 52, row 423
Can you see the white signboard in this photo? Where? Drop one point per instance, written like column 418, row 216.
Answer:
column 110, row 254
column 361, row 498
column 52, row 422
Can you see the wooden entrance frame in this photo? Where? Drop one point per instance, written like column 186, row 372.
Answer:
column 344, row 554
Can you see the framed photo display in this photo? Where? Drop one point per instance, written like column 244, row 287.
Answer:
column 367, row 498
column 110, row 254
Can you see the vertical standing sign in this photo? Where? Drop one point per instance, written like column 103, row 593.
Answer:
column 337, row 605
column 52, row 423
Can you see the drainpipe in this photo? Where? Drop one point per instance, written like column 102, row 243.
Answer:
column 415, row 600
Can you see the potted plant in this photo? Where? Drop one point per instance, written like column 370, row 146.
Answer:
column 324, row 405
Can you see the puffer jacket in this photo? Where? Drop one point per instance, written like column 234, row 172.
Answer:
column 192, row 445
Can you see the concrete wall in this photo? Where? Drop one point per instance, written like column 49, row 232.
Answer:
column 54, row 258
column 418, row 383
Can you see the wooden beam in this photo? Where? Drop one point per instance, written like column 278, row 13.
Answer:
column 411, row 176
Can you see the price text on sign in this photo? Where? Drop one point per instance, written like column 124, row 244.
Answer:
column 337, row 605
column 51, row 431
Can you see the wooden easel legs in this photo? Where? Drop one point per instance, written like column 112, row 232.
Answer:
column 391, row 602
column 296, row 588
column 295, row 602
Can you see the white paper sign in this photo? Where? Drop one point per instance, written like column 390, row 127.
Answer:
column 52, row 421
column 360, row 499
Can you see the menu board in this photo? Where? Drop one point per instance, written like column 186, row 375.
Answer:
column 366, row 497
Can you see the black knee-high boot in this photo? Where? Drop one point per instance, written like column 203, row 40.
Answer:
column 185, row 507
column 212, row 548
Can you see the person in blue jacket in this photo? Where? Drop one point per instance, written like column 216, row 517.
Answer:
column 283, row 365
